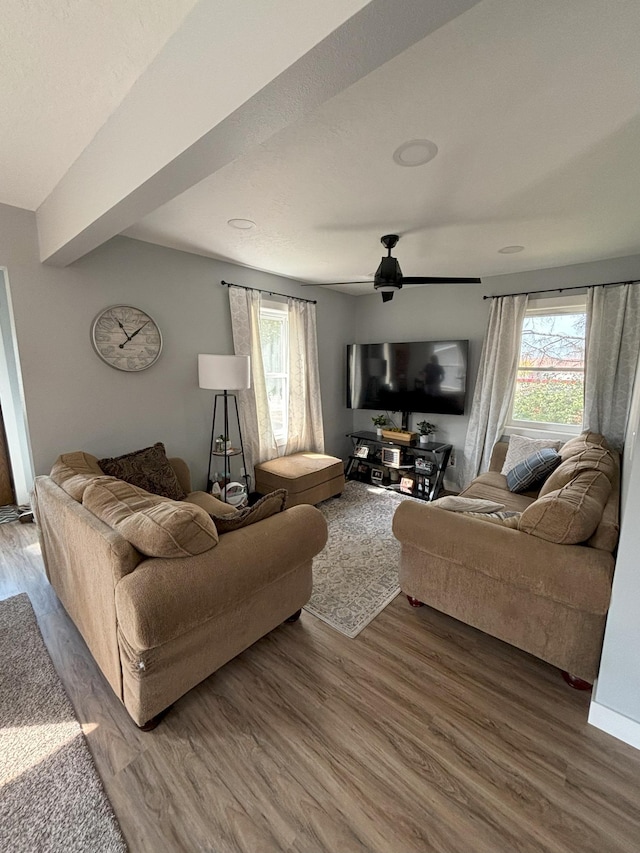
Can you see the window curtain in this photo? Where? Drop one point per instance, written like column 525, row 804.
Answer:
column 494, row 384
column 305, row 429
column 255, row 420
column 613, row 343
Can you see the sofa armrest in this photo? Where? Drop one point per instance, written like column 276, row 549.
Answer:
column 182, row 473
column 571, row 574
column 164, row 598
column 498, row 455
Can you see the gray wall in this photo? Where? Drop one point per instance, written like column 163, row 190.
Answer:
column 75, row 401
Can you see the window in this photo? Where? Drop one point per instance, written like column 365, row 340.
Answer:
column 549, row 388
column 274, row 335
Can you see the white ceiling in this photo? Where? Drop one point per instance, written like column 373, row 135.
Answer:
column 534, row 107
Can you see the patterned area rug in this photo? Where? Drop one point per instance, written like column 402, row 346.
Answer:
column 51, row 797
column 9, row 513
column 356, row 575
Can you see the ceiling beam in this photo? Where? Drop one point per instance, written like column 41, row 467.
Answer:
column 203, row 103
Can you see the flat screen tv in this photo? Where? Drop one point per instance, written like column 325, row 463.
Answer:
column 413, row 376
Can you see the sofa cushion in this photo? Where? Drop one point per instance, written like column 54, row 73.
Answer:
column 534, row 469
column 571, row 514
column 149, row 469
column 74, row 471
column 493, row 487
column 520, row 447
column 589, row 458
column 156, row 526
column 581, row 442
column 268, row 505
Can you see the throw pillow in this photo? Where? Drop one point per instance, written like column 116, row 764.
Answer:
column 520, row 447
column 155, row 526
column 268, row 505
column 504, row 519
column 149, row 469
column 533, row 469
column 456, row 503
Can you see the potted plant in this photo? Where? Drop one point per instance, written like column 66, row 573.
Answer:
column 425, row 429
column 379, row 421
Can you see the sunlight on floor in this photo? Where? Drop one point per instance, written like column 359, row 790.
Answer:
column 23, row 747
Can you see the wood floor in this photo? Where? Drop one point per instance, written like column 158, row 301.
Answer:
column 421, row 734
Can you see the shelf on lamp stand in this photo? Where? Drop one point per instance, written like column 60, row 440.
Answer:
column 227, row 453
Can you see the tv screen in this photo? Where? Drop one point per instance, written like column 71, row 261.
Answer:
column 414, row 376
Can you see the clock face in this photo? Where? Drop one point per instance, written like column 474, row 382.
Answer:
column 126, row 338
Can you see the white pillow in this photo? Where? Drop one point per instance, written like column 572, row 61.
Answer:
column 455, row 503
column 521, row 447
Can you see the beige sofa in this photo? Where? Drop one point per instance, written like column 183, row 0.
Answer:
column 540, row 580
column 156, row 625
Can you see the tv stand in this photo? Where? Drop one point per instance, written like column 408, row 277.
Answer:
column 388, row 463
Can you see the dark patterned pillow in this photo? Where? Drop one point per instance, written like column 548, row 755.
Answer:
column 533, row 470
column 148, row 469
column 268, row 505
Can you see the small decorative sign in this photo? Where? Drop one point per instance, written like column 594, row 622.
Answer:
column 362, row 451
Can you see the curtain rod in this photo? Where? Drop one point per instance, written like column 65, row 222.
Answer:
column 270, row 292
column 561, row 289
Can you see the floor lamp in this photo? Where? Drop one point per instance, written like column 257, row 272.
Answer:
column 225, row 373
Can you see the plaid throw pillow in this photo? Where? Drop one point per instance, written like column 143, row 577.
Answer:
column 533, row 469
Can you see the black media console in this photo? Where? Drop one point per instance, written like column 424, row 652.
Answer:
column 408, row 467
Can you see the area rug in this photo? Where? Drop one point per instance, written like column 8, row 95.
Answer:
column 9, row 513
column 51, row 797
column 356, row 575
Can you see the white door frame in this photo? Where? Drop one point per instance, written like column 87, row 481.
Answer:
column 12, row 398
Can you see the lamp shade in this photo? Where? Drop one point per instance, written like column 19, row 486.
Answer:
column 224, row 372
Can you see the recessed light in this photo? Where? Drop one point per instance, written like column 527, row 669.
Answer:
column 241, row 224
column 417, row 152
column 511, row 250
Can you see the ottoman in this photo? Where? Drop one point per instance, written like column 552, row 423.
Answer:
column 308, row 477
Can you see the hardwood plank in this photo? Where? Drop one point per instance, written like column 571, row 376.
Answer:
column 422, row 734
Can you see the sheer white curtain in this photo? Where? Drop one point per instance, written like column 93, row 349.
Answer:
column 494, row 385
column 305, row 430
column 255, row 420
column 613, row 343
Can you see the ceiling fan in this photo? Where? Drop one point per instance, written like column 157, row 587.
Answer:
column 388, row 277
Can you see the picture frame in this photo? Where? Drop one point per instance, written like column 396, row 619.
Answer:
column 376, row 475
column 362, row 451
column 406, row 484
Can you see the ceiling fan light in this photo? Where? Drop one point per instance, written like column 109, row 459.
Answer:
column 385, row 287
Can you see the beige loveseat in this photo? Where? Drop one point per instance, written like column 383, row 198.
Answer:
column 158, row 625
column 541, row 579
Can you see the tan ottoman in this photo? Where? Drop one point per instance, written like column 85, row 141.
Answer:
column 308, row 477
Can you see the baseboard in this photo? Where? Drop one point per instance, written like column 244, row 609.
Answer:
column 614, row 723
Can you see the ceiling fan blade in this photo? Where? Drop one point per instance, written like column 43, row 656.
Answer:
column 387, row 295
column 423, row 279
column 331, row 283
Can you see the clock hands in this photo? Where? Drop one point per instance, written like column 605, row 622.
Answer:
column 125, row 332
column 130, row 338
column 139, row 330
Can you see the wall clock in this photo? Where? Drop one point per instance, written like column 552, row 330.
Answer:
column 126, row 338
